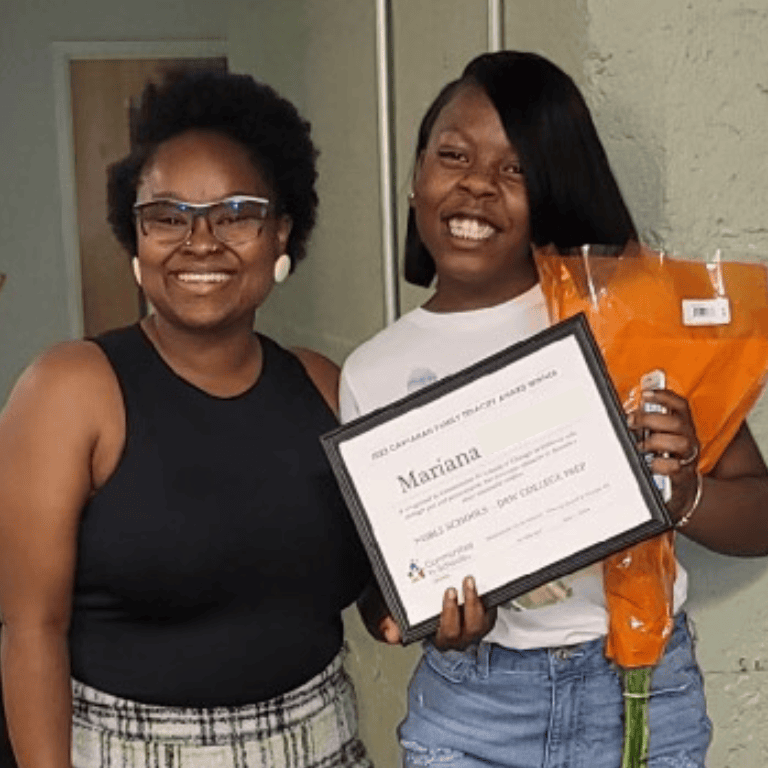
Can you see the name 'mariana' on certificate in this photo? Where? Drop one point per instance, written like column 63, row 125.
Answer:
column 498, row 479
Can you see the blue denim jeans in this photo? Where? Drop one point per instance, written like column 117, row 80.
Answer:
column 549, row 708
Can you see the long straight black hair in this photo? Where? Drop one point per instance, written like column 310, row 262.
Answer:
column 573, row 196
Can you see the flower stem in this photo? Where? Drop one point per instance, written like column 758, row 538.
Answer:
column 637, row 684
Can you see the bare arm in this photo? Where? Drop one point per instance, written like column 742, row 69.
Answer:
column 49, row 438
column 732, row 514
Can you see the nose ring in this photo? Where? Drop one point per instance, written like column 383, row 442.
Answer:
column 212, row 247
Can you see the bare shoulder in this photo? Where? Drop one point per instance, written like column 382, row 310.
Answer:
column 324, row 374
column 73, row 375
column 71, row 358
column 67, row 403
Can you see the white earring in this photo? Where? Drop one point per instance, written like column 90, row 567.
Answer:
column 136, row 270
column 282, row 267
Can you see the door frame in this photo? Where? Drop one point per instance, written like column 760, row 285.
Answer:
column 63, row 53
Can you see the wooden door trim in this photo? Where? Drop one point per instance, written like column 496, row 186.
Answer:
column 63, row 53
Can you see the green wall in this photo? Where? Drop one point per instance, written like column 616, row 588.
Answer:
column 321, row 55
column 680, row 92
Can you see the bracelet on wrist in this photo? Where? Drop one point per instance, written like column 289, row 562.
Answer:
column 686, row 518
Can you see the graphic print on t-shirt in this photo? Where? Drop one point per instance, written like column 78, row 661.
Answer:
column 418, row 378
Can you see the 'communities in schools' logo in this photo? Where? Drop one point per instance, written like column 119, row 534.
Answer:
column 415, row 572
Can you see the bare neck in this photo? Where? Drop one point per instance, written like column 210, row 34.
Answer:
column 223, row 363
column 463, row 297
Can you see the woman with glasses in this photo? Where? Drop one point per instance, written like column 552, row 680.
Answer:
column 174, row 554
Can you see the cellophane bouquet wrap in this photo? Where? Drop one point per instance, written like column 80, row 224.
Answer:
column 705, row 324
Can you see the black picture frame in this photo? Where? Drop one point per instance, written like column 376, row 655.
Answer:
column 576, row 327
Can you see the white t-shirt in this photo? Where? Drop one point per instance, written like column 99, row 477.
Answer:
column 422, row 347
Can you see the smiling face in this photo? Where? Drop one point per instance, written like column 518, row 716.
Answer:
column 202, row 283
column 471, row 207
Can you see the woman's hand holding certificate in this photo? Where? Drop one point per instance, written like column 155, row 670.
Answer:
column 460, row 625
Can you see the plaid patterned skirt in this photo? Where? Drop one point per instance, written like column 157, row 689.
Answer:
column 313, row 726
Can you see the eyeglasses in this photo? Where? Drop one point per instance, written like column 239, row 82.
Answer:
column 234, row 220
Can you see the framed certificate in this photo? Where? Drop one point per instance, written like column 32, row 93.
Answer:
column 518, row 470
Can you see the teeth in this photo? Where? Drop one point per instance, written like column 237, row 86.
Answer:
column 203, row 277
column 469, row 229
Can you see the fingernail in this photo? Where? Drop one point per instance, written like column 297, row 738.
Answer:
column 469, row 584
column 451, row 593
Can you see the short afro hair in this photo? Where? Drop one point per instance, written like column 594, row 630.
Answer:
column 237, row 106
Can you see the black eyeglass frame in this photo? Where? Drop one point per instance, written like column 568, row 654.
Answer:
column 199, row 209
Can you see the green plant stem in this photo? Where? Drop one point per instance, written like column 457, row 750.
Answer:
column 637, row 684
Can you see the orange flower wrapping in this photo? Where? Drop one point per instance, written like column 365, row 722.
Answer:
column 638, row 586
column 633, row 303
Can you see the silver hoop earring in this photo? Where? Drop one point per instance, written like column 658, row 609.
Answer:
column 282, row 267
column 136, row 270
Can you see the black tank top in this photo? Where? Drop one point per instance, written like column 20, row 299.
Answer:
column 214, row 562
